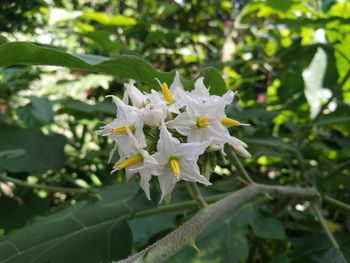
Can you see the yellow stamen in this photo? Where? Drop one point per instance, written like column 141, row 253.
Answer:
column 202, row 122
column 229, row 122
column 121, row 129
column 167, row 93
column 129, row 162
column 175, row 166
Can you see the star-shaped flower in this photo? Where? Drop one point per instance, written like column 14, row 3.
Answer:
column 205, row 120
column 177, row 161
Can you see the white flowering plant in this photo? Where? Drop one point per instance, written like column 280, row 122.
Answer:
column 169, row 133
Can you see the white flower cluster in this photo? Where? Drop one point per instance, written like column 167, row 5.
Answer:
column 145, row 145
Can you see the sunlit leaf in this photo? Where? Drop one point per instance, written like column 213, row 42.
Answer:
column 123, row 67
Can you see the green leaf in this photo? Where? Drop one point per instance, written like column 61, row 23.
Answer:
column 316, row 247
column 330, row 255
column 75, row 106
column 12, row 153
column 214, row 81
column 41, row 152
column 3, row 40
column 18, row 212
column 39, row 110
column 272, row 142
column 123, row 67
column 104, row 19
column 226, row 241
column 89, row 231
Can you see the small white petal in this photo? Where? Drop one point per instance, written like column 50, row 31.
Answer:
column 137, row 98
column 167, row 182
column 190, row 172
column 182, row 123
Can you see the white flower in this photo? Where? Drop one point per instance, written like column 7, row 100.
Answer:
column 128, row 118
column 155, row 110
column 177, row 161
column 200, row 92
column 137, row 160
column 205, row 121
column 138, row 99
column 176, row 95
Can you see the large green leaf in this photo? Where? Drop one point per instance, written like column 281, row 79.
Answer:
column 38, row 111
column 227, row 241
column 317, row 248
column 39, row 152
column 123, row 67
column 19, row 211
column 89, row 231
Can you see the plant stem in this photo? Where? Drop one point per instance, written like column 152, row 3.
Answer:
column 336, row 203
column 178, row 206
column 234, row 158
column 168, row 246
column 337, row 170
column 42, row 187
column 324, row 225
column 198, row 196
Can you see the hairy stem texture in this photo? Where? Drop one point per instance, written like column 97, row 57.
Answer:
column 176, row 240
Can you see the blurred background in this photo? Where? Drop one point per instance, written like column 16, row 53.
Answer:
column 289, row 61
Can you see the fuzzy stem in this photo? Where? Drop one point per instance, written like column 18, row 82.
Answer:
column 168, row 246
column 43, row 187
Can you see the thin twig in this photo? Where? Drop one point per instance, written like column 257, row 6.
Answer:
column 198, row 196
column 43, row 187
column 325, row 227
column 181, row 206
column 336, row 203
column 234, row 158
column 339, row 168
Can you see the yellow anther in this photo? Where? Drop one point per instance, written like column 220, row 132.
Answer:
column 138, row 158
column 229, row 122
column 121, row 129
column 202, row 122
column 167, row 93
column 175, row 166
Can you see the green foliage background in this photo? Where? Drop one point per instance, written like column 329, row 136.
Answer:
column 290, row 62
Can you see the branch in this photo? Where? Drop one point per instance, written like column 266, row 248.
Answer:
column 165, row 248
column 43, row 187
column 336, row 203
column 178, row 206
column 198, row 196
column 234, row 158
column 324, row 225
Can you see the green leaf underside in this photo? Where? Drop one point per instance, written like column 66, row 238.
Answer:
column 92, row 231
column 123, row 67
column 39, row 152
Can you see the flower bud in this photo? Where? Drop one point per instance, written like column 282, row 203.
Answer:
column 137, row 98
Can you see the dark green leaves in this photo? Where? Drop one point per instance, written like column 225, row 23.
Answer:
column 38, row 111
column 38, row 153
column 123, row 67
column 94, row 231
column 227, row 241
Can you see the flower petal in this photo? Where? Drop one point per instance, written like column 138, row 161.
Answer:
column 182, row 123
